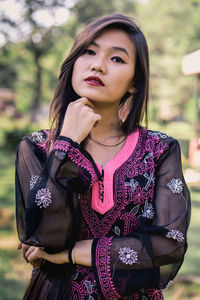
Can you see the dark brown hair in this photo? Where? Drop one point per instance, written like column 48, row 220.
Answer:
column 65, row 94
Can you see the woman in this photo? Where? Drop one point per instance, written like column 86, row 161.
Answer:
column 118, row 188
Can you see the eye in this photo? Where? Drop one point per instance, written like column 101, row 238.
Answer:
column 118, row 59
column 89, row 52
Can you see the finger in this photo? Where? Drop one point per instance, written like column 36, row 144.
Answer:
column 34, row 253
column 97, row 120
column 85, row 101
column 19, row 246
column 98, row 117
column 32, row 257
column 30, row 251
column 24, row 249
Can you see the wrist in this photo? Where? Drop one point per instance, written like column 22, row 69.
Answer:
column 72, row 137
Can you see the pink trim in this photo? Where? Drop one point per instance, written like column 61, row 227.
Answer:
column 103, row 250
column 112, row 165
column 76, row 157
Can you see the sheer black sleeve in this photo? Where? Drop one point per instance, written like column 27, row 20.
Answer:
column 151, row 256
column 46, row 190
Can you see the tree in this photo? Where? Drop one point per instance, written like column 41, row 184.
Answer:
column 172, row 32
column 39, row 38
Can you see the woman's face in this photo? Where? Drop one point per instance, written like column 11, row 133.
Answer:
column 105, row 71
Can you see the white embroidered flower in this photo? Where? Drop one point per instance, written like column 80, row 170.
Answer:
column 148, row 211
column 176, row 235
column 43, row 198
column 169, row 283
column 149, row 155
column 33, row 180
column 88, row 285
column 176, row 185
column 38, row 137
column 128, row 256
column 158, row 134
column 150, row 180
column 117, row 230
column 133, row 184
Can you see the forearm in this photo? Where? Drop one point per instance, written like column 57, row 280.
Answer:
column 82, row 253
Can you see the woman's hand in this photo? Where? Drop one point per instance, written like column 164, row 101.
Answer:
column 34, row 254
column 79, row 120
column 36, row 263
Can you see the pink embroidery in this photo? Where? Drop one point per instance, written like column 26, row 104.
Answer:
column 103, row 202
column 139, row 195
column 77, row 157
column 154, row 294
column 40, row 138
column 140, row 159
column 43, row 147
column 61, row 145
column 103, row 268
column 160, row 148
column 130, row 223
column 77, row 292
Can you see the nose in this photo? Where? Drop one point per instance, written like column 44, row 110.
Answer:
column 98, row 66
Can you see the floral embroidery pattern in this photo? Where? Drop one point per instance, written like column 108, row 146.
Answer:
column 176, row 185
column 139, row 195
column 89, row 286
column 133, row 184
column 154, row 294
column 176, row 235
column 33, row 180
column 148, row 211
column 77, row 157
column 128, row 256
column 38, row 137
column 150, row 180
column 159, row 134
column 149, row 155
column 43, row 198
column 117, row 230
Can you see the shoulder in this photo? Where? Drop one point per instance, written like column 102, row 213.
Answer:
column 159, row 136
column 158, row 142
column 37, row 139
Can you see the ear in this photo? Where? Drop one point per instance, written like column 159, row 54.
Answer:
column 132, row 90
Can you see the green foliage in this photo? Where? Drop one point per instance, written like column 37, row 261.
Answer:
column 8, row 72
column 172, row 30
column 13, row 137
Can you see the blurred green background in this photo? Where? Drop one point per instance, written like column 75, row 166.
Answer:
column 35, row 37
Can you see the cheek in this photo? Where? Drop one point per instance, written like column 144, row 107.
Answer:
column 75, row 77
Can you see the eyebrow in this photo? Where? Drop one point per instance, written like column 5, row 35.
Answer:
column 114, row 47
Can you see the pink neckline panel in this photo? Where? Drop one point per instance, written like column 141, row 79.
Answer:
column 111, row 166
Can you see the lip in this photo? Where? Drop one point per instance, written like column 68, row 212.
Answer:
column 94, row 80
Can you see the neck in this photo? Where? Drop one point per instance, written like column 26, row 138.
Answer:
column 109, row 125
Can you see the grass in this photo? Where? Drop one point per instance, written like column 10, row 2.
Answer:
column 15, row 273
